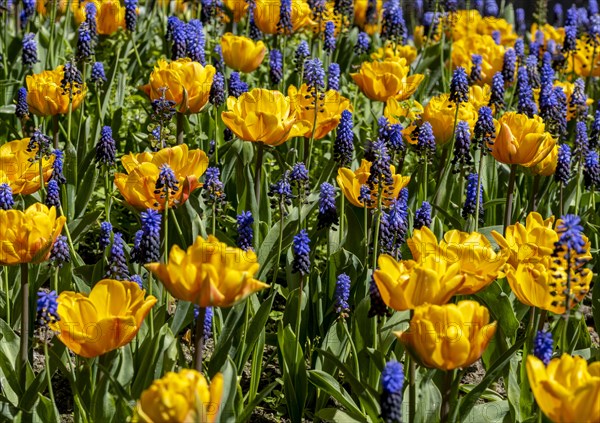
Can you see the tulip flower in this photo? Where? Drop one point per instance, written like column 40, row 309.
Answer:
column 45, row 95
column 105, row 320
column 406, row 113
column 490, row 24
column 27, row 236
column 395, row 52
column 181, row 397
column 522, row 140
column 450, row 336
column 406, row 284
column 242, row 53
column 479, row 263
column 567, row 389
column 382, row 80
column 440, row 112
column 19, row 169
column 239, row 8
column 568, row 88
column 209, row 273
column 266, row 15
column 537, row 284
column 350, row 182
column 491, row 53
column 360, row 16
column 110, row 15
column 557, row 34
column 547, row 166
column 188, row 84
column 44, row 7
column 529, row 242
column 329, row 110
column 263, row 115
column 138, row 185
column 583, row 61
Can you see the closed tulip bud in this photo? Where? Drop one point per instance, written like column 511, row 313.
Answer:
column 181, row 397
column 209, row 273
column 450, row 336
column 241, row 53
column 91, row 326
column 566, row 390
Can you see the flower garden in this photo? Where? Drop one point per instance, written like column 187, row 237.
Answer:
column 299, row 210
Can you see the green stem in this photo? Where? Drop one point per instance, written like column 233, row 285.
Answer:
column 48, row 374
column 55, row 131
column 534, row 193
column 509, row 196
column 177, row 227
column 564, row 340
column 214, row 219
column 199, row 338
column 257, row 186
column 24, row 345
column 446, row 395
column 179, row 120
column 480, row 170
column 276, row 271
column 151, row 320
column 578, row 188
column 107, row 195
column 352, row 349
column 135, row 50
column 412, row 385
column 342, row 217
column 75, row 390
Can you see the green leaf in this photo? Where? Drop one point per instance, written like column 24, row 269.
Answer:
column 336, row 415
column 327, row 383
column 293, row 369
column 249, row 408
column 226, row 409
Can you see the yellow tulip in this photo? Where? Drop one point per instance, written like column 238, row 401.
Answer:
column 450, row 336
column 242, row 53
column 360, row 16
column 266, row 15
column 18, row 168
column 522, row 140
column 484, row 45
column 175, row 6
column 440, row 113
column 263, row 115
column 105, row 320
column 138, row 185
column 350, row 182
column 406, row 284
column 547, row 166
column 405, row 112
column 45, row 95
column 529, row 242
column 489, row 24
column 583, row 61
column 44, row 7
column 389, row 78
column 464, row 23
column 567, row 390
column 394, row 52
column 188, row 84
column 238, row 8
column 550, row 33
column 537, row 284
column 181, row 397
column 568, row 88
column 420, row 37
column 27, row 236
column 330, row 110
column 479, row 263
column 109, row 18
column 209, row 273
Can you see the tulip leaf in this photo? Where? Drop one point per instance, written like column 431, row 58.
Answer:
column 596, row 304
column 490, row 412
column 294, row 372
column 226, row 410
column 500, row 307
column 336, row 415
column 257, row 323
column 46, row 410
column 246, row 413
column 226, row 339
column 327, row 383
column 182, row 317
